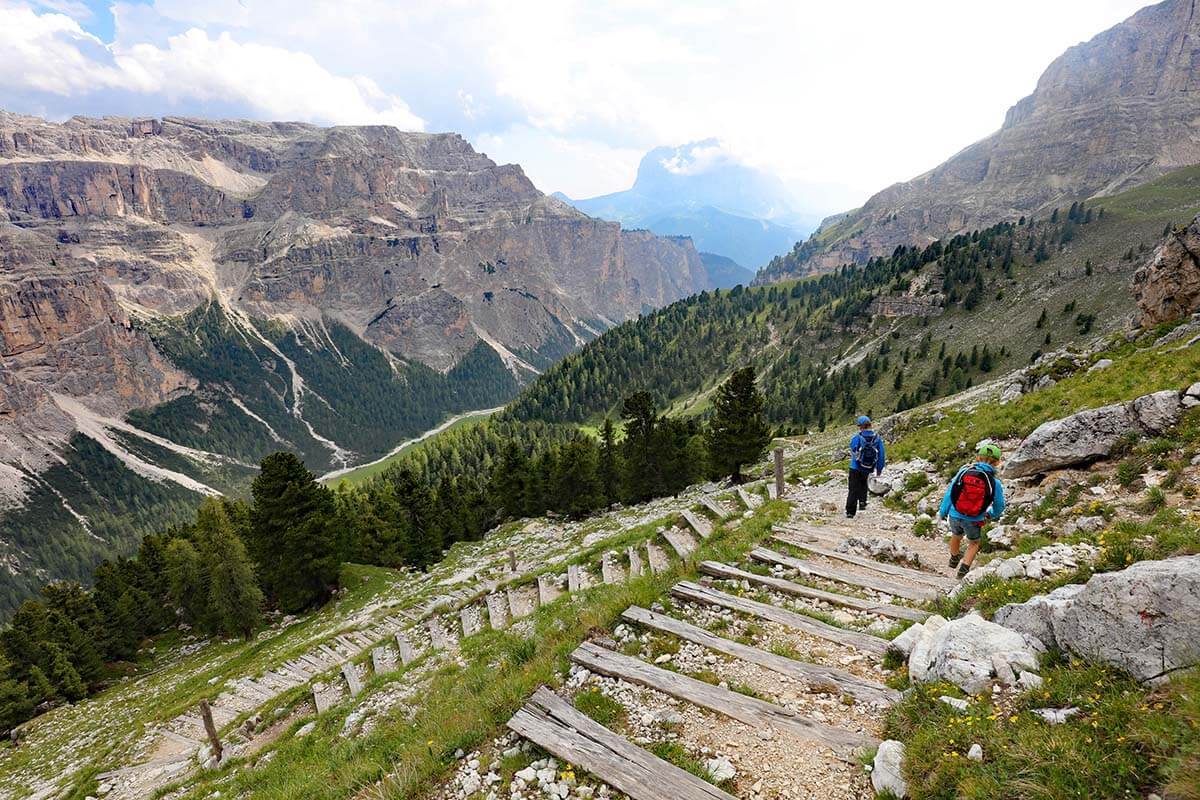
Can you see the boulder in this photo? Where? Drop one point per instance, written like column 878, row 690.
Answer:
column 1168, row 287
column 1011, row 392
column 961, row 652
column 878, row 485
column 1091, row 435
column 909, row 637
column 1037, row 616
column 918, row 655
column 1000, row 536
column 1144, row 619
column 886, row 774
column 1103, row 363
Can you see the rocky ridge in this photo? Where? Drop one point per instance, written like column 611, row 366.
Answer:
column 1108, row 114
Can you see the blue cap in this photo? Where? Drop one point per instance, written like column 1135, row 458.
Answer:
column 864, row 420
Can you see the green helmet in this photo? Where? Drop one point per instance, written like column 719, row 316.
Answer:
column 988, row 448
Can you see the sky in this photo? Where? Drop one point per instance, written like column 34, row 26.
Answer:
column 839, row 98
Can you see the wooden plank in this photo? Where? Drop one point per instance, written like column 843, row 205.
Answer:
column 405, row 649
column 758, row 714
column 635, row 562
column 939, row 581
column 321, row 699
column 574, row 578
column 471, row 620
column 547, row 590
column 680, row 542
column 847, row 682
column 497, row 606
column 350, row 673
column 610, row 571
column 882, row 609
column 656, row 559
column 750, row 501
column 554, row 725
column 701, row 526
column 772, row 491
column 437, row 634
column 715, row 507
column 703, row 594
column 380, row 661
column 808, row 567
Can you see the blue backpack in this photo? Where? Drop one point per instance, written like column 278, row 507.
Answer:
column 867, row 455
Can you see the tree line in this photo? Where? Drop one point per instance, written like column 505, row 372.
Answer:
column 282, row 549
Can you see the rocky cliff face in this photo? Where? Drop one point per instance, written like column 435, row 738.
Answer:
column 1108, row 114
column 453, row 277
column 1168, row 287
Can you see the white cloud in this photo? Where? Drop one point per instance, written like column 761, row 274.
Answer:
column 51, row 53
column 853, row 95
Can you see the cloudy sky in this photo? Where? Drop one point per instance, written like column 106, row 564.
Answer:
column 838, row 98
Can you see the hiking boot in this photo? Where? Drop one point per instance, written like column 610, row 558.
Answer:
column 963, row 569
column 849, row 515
column 954, row 559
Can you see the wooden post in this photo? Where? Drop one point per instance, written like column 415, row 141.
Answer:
column 512, row 561
column 778, row 472
column 210, row 729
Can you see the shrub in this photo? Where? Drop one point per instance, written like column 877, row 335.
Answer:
column 915, row 481
column 923, row 526
column 1129, row 471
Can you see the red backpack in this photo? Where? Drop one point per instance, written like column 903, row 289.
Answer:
column 972, row 492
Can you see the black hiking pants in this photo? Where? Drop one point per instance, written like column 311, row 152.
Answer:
column 856, row 497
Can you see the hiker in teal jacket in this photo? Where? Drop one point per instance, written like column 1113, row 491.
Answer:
column 974, row 497
column 866, row 456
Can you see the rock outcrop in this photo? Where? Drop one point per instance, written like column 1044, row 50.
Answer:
column 963, row 651
column 1168, row 287
column 1091, row 435
column 1144, row 619
column 300, row 255
column 1108, row 114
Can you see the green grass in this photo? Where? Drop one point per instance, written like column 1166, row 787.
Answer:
column 368, row 471
column 1127, row 740
column 463, row 705
column 600, row 707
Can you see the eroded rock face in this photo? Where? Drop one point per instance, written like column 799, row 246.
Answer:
column 1091, row 435
column 1144, row 619
column 1107, row 115
column 1168, row 287
column 418, row 243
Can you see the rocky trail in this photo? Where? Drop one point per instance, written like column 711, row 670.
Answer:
column 763, row 675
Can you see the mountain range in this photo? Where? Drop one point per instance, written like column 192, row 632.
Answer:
column 699, row 190
column 1107, row 115
column 182, row 296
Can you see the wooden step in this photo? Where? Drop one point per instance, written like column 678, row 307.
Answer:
column 404, row 648
column 758, row 714
column 750, row 501
column 554, row 725
column 575, row 578
column 635, row 561
column 704, row 594
column 682, row 543
column 656, row 559
column 715, row 507
column 720, row 570
column 847, row 682
column 939, row 581
column 701, row 526
column 610, row 573
column 812, row 568
column 547, row 590
column 497, row 606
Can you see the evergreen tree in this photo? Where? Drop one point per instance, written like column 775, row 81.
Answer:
column 609, row 468
column 737, row 434
column 234, row 599
column 415, row 505
column 66, row 680
column 642, row 479
column 16, row 705
column 293, row 536
column 577, row 489
column 185, row 580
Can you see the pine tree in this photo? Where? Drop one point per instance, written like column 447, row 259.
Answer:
column 416, row 508
column 234, row 599
column 63, row 675
column 16, row 705
column 185, row 580
column 293, row 537
column 737, row 434
column 609, row 468
column 642, row 479
column 577, row 489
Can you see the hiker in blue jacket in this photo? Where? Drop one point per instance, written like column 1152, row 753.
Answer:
column 974, row 497
column 866, row 456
